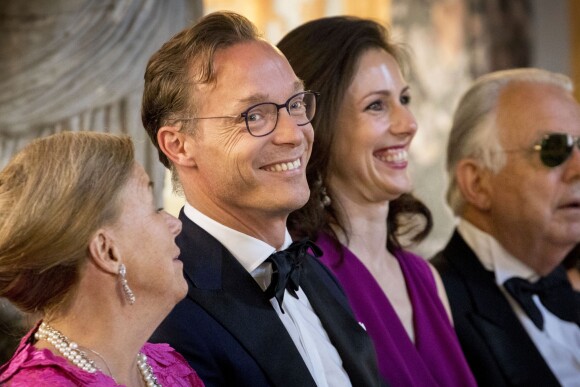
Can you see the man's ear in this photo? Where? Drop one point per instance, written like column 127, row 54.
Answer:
column 176, row 146
column 103, row 252
column 474, row 181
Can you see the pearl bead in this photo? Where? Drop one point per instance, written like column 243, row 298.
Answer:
column 70, row 350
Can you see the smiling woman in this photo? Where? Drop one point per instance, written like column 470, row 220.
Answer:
column 360, row 202
column 82, row 244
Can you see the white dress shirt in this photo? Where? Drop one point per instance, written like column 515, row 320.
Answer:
column 300, row 320
column 559, row 342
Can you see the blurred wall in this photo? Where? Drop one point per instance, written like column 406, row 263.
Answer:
column 552, row 35
column 452, row 42
column 574, row 23
column 78, row 65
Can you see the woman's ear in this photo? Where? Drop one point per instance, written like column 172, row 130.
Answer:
column 175, row 145
column 103, row 252
column 474, row 181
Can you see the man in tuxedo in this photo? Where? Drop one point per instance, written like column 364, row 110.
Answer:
column 514, row 169
column 232, row 121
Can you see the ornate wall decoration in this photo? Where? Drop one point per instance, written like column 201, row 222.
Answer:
column 79, row 65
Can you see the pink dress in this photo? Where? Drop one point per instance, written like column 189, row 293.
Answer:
column 40, row 367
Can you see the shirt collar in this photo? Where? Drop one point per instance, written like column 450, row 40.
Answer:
column 493, row 256
column 249, row 251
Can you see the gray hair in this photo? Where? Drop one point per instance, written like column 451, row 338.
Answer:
column 474, row 133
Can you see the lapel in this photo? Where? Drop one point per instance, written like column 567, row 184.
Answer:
column 345, row 333
column 494, row 319
column 223, row 288
column 489, row 303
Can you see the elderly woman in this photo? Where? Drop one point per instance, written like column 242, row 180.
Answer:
column 360, row 203
column 82, row 244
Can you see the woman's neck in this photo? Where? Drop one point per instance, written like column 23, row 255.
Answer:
column 111, row 337
column 366, row 228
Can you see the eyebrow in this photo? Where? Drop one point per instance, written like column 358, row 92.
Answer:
column 386, row 93
column 298, row 85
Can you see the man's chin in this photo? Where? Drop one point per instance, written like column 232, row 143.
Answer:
column 292, row 204
column 301, row 200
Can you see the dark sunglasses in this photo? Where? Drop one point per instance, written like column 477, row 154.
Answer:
column 555, row 148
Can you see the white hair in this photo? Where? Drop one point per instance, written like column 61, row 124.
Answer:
column 474, row 132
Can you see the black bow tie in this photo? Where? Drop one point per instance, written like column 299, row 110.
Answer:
column 286, row 267
column 555, row 293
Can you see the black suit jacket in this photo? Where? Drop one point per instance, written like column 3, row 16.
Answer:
column 496, row 345
column 230, row 334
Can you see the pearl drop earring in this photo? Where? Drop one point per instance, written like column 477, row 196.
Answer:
column 126, row 289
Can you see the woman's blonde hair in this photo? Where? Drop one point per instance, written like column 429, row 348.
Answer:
column 54, row 194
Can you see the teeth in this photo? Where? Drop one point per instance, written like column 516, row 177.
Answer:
column 289, row 166
column 393, row 156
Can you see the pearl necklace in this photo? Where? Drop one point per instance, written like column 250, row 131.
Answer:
column 71, row 351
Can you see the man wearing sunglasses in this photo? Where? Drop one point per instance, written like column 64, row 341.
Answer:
column 232, row 121
column 514, row 170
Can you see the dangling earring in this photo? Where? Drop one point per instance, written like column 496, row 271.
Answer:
column 324, row 198
column 126, row 289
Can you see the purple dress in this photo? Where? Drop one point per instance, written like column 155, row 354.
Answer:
column 435, row 359
column 40, row 367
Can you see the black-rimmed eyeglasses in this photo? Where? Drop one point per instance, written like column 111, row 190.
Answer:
column 556, row 148
column 261, row 119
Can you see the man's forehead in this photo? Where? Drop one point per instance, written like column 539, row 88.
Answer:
column 251, row 95
column 245, row 54
column 538, row 106
column 269, row 95
column 522, row 93
column 249, row 76
column 530, row 101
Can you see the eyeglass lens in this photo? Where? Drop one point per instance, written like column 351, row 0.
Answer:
column 556, row 148
column 262, row 118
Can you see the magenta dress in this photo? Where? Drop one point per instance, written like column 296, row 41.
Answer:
column 435, row 359
column 40, row 367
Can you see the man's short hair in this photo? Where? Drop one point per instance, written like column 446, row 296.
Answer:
column 185, row 61
column 474, row 133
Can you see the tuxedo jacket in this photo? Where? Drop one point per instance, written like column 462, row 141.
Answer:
column 496, row 345
column 230, row 334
